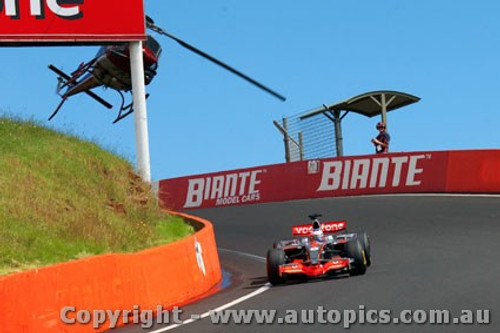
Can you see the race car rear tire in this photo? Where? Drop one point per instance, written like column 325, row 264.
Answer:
column 365, row 243
column 355, row 250
column 275, row 258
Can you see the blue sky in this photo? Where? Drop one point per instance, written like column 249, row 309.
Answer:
column 204, row 119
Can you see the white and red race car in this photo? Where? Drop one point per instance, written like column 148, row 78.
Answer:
column 318, row 250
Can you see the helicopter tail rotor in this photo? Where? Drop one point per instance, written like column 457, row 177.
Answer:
column 60, row 84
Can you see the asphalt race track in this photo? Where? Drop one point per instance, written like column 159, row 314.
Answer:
column 429, row 253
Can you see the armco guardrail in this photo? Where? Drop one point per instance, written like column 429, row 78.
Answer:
column 167, row 275
column 471, row 171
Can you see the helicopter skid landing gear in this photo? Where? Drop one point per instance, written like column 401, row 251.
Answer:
column 58, row 108
column 125, row 110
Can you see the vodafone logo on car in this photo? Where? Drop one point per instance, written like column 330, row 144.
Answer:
column 302, row 230
column 327, row 227
column 333, row 226
column 378, row 172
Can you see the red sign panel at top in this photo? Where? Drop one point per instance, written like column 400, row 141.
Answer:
column 45, row 21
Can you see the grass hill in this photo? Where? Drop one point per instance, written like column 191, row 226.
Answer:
column 62, row 198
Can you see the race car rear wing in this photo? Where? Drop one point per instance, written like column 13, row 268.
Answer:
column 327, row 227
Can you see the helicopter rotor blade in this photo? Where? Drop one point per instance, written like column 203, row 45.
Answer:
column 153, row 27
column 99, row 99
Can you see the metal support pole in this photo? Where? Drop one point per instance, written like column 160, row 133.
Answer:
column 338, row 133
column 287, row 138
column 287, row 141
column 140, row 115
column 334, row 116
column 384, row 110
column 301, row 146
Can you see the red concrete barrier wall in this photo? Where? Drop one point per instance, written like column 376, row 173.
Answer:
column 167, row 275
column 473, row 171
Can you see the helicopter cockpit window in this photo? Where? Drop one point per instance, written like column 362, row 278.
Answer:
column 154, row 46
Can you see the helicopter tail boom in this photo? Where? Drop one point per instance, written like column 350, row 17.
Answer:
column 67, row 80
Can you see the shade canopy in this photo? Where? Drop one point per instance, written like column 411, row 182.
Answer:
column 369, row 104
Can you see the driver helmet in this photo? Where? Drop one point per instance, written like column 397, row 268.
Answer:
column 317, row 233
column 380, row 125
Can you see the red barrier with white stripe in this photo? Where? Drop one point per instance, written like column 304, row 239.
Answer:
column 416, row 172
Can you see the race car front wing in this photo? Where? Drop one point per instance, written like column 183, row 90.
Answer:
column 330, row 267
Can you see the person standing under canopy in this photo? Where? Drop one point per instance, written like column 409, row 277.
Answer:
column 382, row 140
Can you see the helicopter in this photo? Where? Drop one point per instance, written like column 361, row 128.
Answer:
column 110, row 68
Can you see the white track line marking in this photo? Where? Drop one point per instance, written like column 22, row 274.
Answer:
column 227, row 305
column 244, row 254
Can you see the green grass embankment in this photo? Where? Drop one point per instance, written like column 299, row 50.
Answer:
column 62, row 198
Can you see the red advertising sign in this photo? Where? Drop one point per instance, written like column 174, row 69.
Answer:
column 469, row 171
column 47, row 21
column 347, row 176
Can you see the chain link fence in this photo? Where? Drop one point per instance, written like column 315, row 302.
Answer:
column 309, row 138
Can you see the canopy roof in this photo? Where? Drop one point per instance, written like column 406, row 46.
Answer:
column 369, row 104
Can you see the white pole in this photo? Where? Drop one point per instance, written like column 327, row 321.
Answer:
column 140, row 115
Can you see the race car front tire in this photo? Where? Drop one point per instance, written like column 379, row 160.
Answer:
column 275, row 258
column 355, row 250
column 365, row 243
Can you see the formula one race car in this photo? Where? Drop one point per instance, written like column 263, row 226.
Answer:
column 318, row 250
